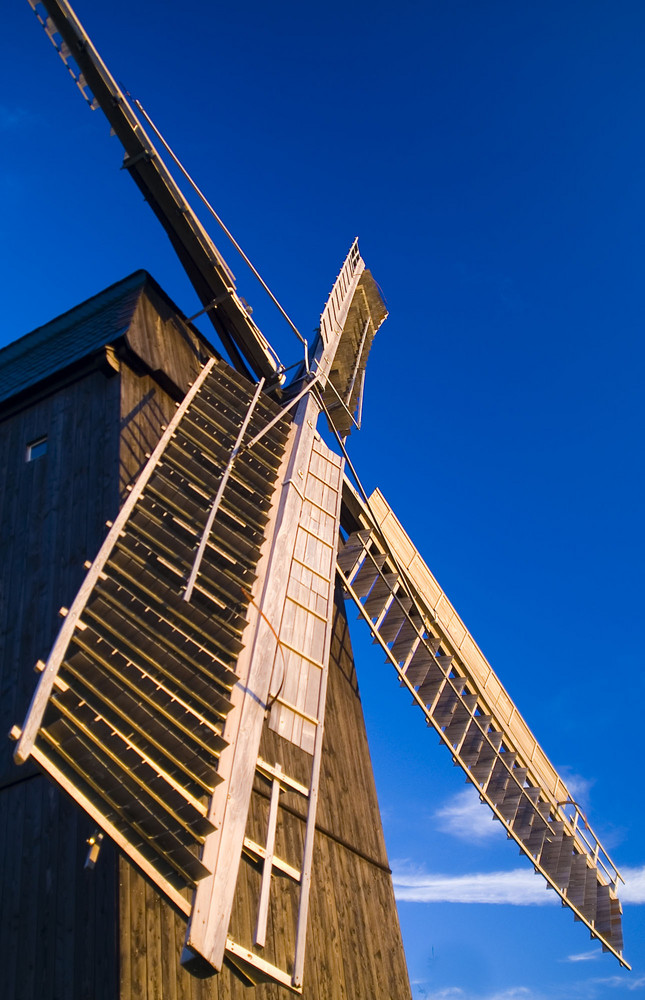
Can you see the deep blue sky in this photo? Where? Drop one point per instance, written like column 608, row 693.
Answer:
column 490, row 156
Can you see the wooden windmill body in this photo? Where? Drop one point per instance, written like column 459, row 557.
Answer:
column 199, row 701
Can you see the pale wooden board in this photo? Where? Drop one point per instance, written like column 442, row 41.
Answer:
column 304, row 625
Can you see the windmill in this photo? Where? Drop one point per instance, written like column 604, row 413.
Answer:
column 219, row 571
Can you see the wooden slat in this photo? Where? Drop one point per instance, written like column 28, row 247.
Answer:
column 113, row 832
column 259, row 935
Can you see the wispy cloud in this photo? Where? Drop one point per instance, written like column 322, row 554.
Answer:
column 584, row 989
column 584, row 956
column 614, row 982
column 579, row 786
column 465, row 817
column 516, row 993
column 634, row 889
column 519, row 887
column 448, row 993
column 456, row 993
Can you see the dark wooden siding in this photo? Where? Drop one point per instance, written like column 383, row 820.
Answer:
column 52, row 518
column 145, row 408
column 58, row 920
column 167, row 357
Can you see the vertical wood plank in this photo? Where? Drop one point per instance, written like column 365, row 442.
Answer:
column 153, row 944
column 138, row 957
column 125, row 931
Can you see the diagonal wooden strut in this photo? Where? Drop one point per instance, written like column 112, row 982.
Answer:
column 188, row 593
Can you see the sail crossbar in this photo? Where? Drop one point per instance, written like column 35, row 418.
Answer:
column 438, row 662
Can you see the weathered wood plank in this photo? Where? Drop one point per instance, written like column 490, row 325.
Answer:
column 153, row 945
column 138, row 962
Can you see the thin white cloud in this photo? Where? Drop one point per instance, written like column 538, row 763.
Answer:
column 515, row 993
column 633, row 891
column 579, row 786
column 591, row 988
column 583, row 956
column 583, row 989
column 519, row 887
column 456, row 993
column 448, row 993
column 465, row 817
column 621, row 982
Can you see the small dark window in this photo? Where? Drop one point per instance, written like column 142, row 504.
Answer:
column 35, row 449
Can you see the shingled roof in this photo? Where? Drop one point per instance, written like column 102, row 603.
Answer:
column 67, row 339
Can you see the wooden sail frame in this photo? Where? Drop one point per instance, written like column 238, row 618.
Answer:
column 207, row 270
column 360, row 323
column 439, row 663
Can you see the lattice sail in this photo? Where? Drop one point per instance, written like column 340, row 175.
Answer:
column 438, row 661
column 130, row 710
column 352, row 316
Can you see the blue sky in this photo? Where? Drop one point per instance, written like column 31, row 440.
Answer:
column 491, row 159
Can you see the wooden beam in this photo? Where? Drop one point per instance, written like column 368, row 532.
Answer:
column 259, row 937
column 209, row 274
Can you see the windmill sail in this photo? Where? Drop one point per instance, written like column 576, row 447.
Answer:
column 439, row 663
column 130, row 710
column 207, row 270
